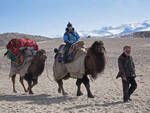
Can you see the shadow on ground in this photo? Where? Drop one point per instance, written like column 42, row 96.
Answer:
column 42, row 99
column 98, row 105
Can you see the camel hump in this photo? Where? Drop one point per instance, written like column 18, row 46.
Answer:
column 80, row 44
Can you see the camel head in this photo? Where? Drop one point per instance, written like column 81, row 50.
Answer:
column 41, row 54
column 98, row 47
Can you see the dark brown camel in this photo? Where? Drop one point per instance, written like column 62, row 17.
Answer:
column 35, row 69
column 94, row 64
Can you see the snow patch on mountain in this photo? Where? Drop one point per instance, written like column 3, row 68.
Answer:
column 121, row 30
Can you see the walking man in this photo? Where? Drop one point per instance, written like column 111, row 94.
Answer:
column 127, row 73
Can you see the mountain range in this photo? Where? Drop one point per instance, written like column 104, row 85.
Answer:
column 121, row 30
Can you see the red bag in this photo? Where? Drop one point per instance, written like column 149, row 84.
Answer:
column 14, row 44
column 30, row 43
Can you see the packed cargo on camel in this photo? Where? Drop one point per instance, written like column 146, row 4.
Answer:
column 24, row 55
column 16, row 47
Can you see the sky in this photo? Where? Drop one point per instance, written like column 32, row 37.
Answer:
column 49, row 17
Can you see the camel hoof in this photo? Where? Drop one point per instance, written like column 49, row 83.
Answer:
column 65, row 93
column 14, row 91
column 59, row 90
column 25, row 91
column 79, row 93
column 90, row 96
column 30, row 92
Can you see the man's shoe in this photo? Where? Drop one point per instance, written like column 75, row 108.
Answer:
column 130, row 99
column 125, row 101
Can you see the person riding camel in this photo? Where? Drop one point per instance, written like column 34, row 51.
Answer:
column 70, row 37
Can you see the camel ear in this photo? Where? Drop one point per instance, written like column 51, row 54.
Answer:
column 96, row 41
column 55, row 50
column 101, row 42
column 6, row 53
column 38, row 53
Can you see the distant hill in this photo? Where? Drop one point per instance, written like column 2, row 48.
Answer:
column 142, row 34
column 5, row 37
column 120, row 30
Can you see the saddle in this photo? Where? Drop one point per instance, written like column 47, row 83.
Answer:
column 71, row 53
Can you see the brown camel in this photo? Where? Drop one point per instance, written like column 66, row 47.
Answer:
column 34, row 70
column 94, row 63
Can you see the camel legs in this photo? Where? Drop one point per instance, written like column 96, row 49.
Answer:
column 30, row 87
column 60, row 87
column 13, row 81
column 31, row 84
column 78, row 83
column 35, row 81
column 86, row 83
column 22, row 83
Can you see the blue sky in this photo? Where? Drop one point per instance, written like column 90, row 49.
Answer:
column 49, row 17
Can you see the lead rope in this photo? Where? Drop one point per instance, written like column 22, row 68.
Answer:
column 47, row 72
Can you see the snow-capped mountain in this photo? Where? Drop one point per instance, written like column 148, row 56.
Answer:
column 122, row 30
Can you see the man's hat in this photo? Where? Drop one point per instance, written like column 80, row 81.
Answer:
column 69, row 24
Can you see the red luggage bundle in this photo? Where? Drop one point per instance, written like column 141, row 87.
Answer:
column 30, row 43
column 15, row 44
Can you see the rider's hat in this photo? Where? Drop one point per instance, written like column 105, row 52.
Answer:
column 69, row 25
